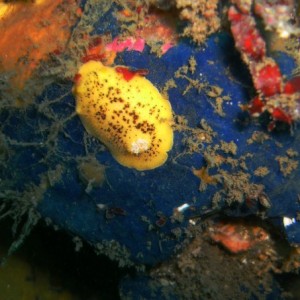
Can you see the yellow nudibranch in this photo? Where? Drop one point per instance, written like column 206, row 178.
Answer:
column 126, row 112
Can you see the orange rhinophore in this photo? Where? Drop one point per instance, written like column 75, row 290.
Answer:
column 128, row 73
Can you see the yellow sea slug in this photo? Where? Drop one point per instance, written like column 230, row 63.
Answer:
column 126, row 112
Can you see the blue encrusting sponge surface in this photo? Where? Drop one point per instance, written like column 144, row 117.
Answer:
column 220, row 160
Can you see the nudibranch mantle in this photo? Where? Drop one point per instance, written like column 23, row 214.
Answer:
column 130, row 117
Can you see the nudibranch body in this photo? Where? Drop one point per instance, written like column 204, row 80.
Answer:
column 129, row 116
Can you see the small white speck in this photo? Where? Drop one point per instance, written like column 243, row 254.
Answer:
column 288, row 221
column 192, row 222
column 101, row 206
column 183, row 207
